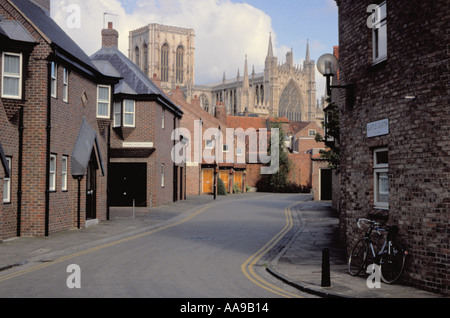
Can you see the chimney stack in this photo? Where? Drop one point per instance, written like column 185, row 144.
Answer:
column 44, row 4
column 221, row 112
column 110, row 37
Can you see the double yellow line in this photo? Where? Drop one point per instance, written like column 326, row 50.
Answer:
column 100, row 247
column 248, row 267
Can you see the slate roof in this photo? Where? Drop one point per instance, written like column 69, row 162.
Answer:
column 134, row 81
column 53, row 32
column 15, row 31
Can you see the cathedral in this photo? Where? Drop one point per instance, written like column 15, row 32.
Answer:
column 281, row 90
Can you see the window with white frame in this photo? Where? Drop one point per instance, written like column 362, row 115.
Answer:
column 65, row 161
column 226, row 148
column 312, row 132
column 7, row 183
column 52, row 173
column 163, row 119
column 238, row 151
column 12, row 75
column 103, row 101
column 117, row 114
column 54, row 83
column 129, row 109
column 163, row 172
column 381, row 178
column 379, row 33
column 66, row 85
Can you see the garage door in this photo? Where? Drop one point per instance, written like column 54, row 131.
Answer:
column 128, row 182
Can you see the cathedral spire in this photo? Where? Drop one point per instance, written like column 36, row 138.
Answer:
column 246, row 84
column 308, row 58
column 270, row 52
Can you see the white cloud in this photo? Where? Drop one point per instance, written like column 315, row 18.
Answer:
column 225, row 31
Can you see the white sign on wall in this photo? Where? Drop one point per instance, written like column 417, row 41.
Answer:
column 378, row 128
column 137, row 144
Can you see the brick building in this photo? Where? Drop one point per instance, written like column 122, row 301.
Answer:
column 140, row 139
column 395, row 138
column 301, row 146
column 202, row 173
column 51, row 126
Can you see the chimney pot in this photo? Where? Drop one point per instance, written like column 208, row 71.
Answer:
column 110, row 25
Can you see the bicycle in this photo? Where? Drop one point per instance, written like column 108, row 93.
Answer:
column 390, row 258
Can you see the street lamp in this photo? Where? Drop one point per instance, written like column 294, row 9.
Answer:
column 328, row 66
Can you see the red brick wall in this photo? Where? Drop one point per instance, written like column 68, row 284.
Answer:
column 66, row 122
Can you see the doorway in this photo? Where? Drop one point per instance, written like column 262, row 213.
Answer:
column 91, row 188
column 208, row 180
column 326, row 181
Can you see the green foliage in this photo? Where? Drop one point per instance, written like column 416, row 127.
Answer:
column 221, row 189
column 332, row 152
column 236, row 188
column 278, row 182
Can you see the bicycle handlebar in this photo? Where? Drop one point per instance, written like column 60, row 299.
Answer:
column 367, row 220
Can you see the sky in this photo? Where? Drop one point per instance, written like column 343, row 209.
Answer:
column 225, row 30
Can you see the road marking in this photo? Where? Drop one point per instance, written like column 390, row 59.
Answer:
column 103, row 246
column 248, row 266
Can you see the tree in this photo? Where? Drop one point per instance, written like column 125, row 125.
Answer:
column 332, row 137
column 279, row 181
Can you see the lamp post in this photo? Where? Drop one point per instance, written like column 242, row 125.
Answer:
column 328, row 65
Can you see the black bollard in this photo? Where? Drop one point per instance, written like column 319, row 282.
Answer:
column 326, row 268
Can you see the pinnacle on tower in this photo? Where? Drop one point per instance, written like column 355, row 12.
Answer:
column 246, row 84
column 270, row 52
column 308, row 58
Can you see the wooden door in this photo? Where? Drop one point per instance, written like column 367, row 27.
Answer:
column 224, row 175
column 208, row 180
column 238, row 179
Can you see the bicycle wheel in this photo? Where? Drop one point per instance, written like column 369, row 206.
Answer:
column 358, row 257
column 392, row 264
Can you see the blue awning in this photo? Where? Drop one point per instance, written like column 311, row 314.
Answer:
column 86, row 143
column 4, row 162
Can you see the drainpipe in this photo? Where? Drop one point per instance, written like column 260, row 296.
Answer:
column 79, row 202
column 108, row 181
column 19, row 183
column 49, row 128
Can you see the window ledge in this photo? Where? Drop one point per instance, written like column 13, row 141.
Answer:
column 378, row 65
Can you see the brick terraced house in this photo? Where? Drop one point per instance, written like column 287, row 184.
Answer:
column 395, row 142
column 54, row 108
column 140, row 139
column 202, row 173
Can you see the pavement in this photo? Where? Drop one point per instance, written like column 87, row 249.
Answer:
column 298, row 262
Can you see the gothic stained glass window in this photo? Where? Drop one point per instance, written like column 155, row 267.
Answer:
column 290, row 102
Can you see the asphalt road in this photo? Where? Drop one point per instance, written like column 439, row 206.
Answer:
column 217, row 253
